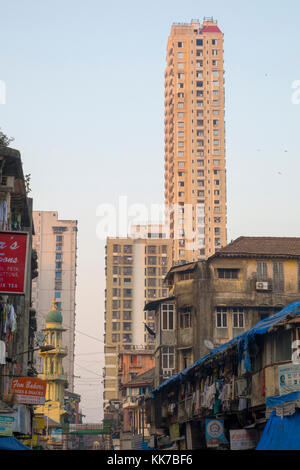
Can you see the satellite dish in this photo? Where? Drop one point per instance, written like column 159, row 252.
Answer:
column 208, row 344
column 40, row 338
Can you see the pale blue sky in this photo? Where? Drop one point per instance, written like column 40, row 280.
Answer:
column 84, row 102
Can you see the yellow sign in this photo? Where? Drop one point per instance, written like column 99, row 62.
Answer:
column 38, row 423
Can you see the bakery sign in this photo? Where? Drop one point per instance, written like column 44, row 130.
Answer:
column 13, row 261
column 29, row 390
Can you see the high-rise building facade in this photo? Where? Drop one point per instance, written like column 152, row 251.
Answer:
column 135, row 269
column 195, row 174
column 55, row 242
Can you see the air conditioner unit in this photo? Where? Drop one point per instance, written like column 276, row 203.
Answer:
column 167, row 372
column 262, row 286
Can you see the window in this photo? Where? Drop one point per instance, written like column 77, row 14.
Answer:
column 185, row 318
column 126, row 315
column 180, row 65
column 238, row 318
column 135, row 361
column 115, row 337
column 116, row 326
column 127, row 293
column 116, row 315
column 58, row 265
column 127, row 326
column 127, row 338
column 228, row 273
column 58, row 256
column 126, row 303
column 57, row 295
column 180, row 55
column 58, row 275
column 167, row 316
column 278, row 277
column 221, row 317
column 168, row 357
column 151, row 259
column 199, row 42
column 127, row 270
column 151, row 293
column 59, row 238
column 261, row 271
column 58, row 304
column 180, row 44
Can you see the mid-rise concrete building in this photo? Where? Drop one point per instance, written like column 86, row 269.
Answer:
column 135, row 269
column 212, row 301
column 195, row 175
column 55, row 242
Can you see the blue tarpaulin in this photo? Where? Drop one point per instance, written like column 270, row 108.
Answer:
column 278, row 400
column 242, row 341
column 281, row 433
column 10, row 443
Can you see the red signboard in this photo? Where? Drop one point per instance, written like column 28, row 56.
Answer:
column 13, row 253
column 29, row 390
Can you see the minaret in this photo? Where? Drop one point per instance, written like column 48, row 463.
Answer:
column 53, row 372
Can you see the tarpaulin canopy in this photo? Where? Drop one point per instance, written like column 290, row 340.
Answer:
column 278, row 400
column 10, row 443
column 281, row 433
column 242, row 342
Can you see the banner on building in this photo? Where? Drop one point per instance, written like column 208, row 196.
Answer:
column 56, row 435
column 214, row 432
column 289, row 379
column 6, row 425
column 243, row 439
column 13, row 259
column 29, row 390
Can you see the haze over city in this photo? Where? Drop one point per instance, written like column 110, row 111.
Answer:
column 85, row 105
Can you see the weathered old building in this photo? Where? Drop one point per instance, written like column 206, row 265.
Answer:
column 236, row 388
column 17, row 318
column 212, row 301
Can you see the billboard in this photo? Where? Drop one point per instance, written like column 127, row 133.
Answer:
column 13, row 259
column 289, row 378
column 6, row 425
column 243, row 439
column 29, row 390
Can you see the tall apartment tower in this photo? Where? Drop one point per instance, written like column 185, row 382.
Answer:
column 195, row 175
column 55, row 242
column 135, row 269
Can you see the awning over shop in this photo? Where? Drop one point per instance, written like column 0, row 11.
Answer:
column 281, row 433
column 10, row 443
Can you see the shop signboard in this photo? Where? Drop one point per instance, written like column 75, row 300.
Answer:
column 38, row 423
column 289, row 378
column 29, row 390
column 13, row 260
column 243, row 439
column 56, row 435
column 6, row 425
column 214, row 432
